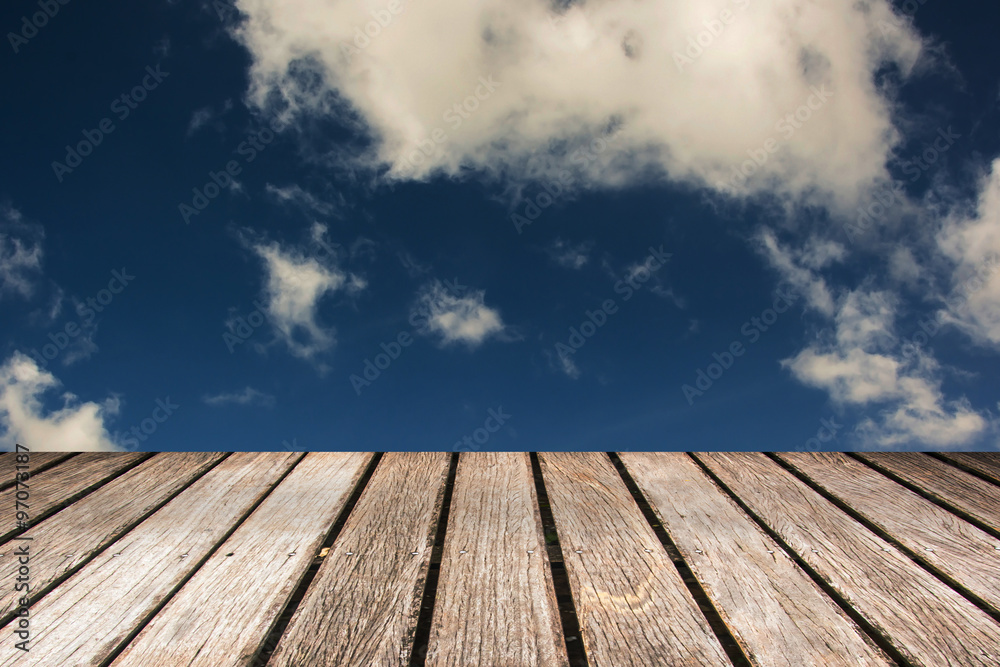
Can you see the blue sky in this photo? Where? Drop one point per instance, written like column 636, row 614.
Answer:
column 501, row 225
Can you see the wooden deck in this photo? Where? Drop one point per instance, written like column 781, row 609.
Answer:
column 504, row 559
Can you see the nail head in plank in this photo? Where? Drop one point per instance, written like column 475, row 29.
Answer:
column 363, row 610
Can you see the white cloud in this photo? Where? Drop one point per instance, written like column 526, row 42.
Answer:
column 205, row 115
column 861, row 365
column 74, row 427
column 20, row 253
column 295, row 282
column 561, row 77
column 972, row 244
column 569, row 255
column 798, row 267
column 248, row 396
column 456, row 318
column 294, row 194
column 567, row 365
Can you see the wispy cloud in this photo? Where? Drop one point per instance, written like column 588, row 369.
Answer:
column 20, row 253
column 248, row 396
column 569, row 255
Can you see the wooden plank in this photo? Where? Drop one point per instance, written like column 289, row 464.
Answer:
column 944, row 482
column 495, row 604
column 632, row 605
column 362, row 607
column 223, row 614
column 92, row 613
column 985, row 463
column 50, row 489
column 926, row 621
column 61, row 543
column 942, row 540
column 38, row 463
column 779, row 616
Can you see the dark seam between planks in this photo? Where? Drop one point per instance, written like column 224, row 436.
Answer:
column 726, row 638
column 916, row 557
column 263, row 654
column 575, row 650
column 141, row 625
column 964, row 468
column 37, row 596
column 7, row 483
column 927, row 495
column 873, row 633
column 422, row 631
column 66, row 502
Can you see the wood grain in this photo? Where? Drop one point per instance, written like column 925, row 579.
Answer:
column 50, row 489
column 951, row 545
column 495, row 604
column 39, row 462
column 779, row 616
column 925, row 620
column 985, row 463
column 223, row 614
column 61, row 543
column 632, row 605
column 90, row 615
column 944, row 482
column 362, row 607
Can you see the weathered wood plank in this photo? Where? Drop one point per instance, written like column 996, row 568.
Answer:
column 362, row 607
column 985, row 463
column 495, row 602
column 944, row 482
column 50, row 489
column 72, row 536
column 39, row 462
column 779, row 616
column 951, row 545
column 925, row 620
column 90, row 615
column 632, row 605
column 223, row 614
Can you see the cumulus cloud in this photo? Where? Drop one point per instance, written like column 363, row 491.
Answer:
column 861, row 364
column 296, row 280
column 972, row 243
column 507, row 80
column 248, row 396
column 456, row 318
column 20, row 253
column 76, row 426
